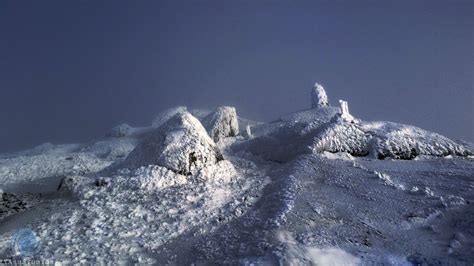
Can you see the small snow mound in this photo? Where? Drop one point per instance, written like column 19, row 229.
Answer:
column 167, row 114
column 222, row 123
column 120, row 131
column 341, row 137
column 319, row 97
column 181, row 144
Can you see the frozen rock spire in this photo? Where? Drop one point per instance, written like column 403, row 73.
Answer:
column 318, row 96
column 345, row 115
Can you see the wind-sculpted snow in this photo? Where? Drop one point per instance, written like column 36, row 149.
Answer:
column 181, row 144
column 222, row 123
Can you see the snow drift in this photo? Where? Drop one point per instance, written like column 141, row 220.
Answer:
column 180, row 144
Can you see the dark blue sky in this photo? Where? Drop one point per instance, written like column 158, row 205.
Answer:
column 70, row 70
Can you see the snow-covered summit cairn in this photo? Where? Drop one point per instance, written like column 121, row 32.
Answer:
column 319, row 97
column 165, row 115
column 181, row 144
column 222, row 123
column 120, row 131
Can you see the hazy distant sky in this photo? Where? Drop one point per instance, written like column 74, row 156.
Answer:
column 70, row 70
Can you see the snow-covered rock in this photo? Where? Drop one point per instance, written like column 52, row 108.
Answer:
column 222, row 123
column 400, row 141
column 120, row 131
column 165, row 115
column 319, row 97
column 181, row 144
column 345, row 115
column 341, row 137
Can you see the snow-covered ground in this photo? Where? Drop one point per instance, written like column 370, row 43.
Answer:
column 317, row 186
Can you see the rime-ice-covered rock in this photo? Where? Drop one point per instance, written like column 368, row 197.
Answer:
column 165, row 115
column 345, row 115
column 120, row 131
column 222, row 123
column 342, row 137
column 319, row 97
column 398, row 141
column 180, row 144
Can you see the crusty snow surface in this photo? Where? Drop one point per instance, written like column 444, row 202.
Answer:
column 308, row 188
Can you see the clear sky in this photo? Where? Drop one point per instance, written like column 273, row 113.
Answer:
column 70, row 70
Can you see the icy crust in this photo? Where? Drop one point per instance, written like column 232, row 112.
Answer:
column 400, row 141
column 181, row 144
column 167, row 114
column 341, row 137
column 222, row 123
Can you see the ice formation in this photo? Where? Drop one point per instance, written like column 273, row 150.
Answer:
column 222, row 123
column 318, row 97
column 345, row 115
column 120, row 131
column 180, row 144
column 165, row 115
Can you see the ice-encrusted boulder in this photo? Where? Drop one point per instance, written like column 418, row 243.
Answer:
column 222, row 123
column 341, row 137
column 165, row 115
column 319, row 97
column 181, row 144
column 120, row 131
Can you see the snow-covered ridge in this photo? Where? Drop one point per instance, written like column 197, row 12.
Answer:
column 210, row 187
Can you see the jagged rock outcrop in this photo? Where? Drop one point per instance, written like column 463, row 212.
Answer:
column 181, row 144
column 222, row 123
column 165, row 115
column 120, row 131
column 319, row 97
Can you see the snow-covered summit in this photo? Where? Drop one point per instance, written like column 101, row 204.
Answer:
column 180, row 144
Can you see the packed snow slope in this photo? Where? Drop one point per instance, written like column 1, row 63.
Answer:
column 318, row 186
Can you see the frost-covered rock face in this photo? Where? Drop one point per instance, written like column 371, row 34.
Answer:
column 120, row 131
column 164, row 116
column 181, row 144
column 319, row 97
column 342, row 137
column 397, row 141
column 222, row 123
